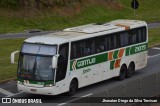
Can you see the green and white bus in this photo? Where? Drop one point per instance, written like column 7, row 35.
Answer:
column 65, row 61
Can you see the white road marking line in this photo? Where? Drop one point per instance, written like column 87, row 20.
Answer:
column 75, row 99
column 68, row 101
column 87, row 95
column 148, row 56
column 6, row 92
column 153, row 56
column 15, row 94
column 61, row 104
column 156, row 48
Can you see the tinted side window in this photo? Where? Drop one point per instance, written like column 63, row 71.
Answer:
column 73, row 51
column 112, row 42
column 117, row 40
column 133, row 36
column 77, row 49
column 100, row 44
column 124, row 39
column 89, row 47
column 107, row 42
column 139, row 35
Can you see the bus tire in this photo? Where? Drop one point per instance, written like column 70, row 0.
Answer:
column 122, row 73
column 73, row 87
column 131, row 70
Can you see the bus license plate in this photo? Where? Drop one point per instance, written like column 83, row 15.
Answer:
column 33, row 90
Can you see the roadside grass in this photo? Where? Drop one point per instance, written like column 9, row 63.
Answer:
column 7, row 46
column 154, row 36
column 19, row 20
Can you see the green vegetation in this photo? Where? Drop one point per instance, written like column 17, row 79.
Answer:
column 60, row 16
column 7, row 46
column 154, row 36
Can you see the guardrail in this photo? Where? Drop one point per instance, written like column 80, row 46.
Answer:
column 146, row 86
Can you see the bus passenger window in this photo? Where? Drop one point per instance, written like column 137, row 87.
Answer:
column 87, row 51
column 88, row 47
column 133, row 36
column 112, row 42
column 139, row 36
column 130, row 38
column 107, row 43
column 100, row 44
column 124, row 39
column 78, row 50
column 118, row 44
column 73, row 51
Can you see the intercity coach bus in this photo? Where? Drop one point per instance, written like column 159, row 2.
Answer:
column 65, row 61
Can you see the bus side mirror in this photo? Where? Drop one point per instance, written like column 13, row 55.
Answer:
column 55, row 61
column 13, row 56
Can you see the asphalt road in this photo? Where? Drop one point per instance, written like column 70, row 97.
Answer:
column 152, row 67
column 28, row 34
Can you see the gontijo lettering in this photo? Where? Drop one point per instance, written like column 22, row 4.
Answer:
column 86, row 62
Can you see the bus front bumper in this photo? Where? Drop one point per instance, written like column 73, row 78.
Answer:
column 37, row 90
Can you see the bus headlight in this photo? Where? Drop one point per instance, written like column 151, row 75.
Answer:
column 19, row 82
column 49, row 85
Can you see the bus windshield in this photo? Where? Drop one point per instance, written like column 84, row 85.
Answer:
column 35, row 62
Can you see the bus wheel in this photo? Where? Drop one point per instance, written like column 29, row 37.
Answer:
column 123, row 71
column 131, row 70
column 73, row 88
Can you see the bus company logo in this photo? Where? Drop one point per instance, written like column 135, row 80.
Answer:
column 86, row 62
column 74, row 64
column 83, row 63
column 6, row 100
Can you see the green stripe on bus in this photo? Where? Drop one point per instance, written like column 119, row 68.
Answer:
column 115, row 55
column 112, row 64
column 128, row 51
